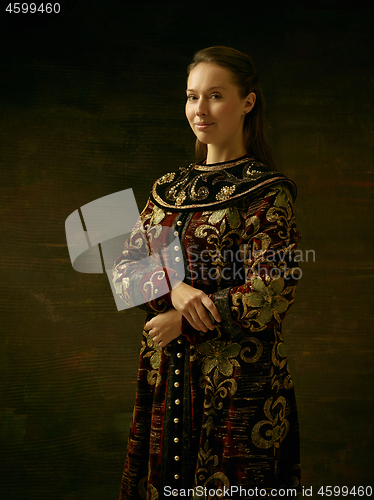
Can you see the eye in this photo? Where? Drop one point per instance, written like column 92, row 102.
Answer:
column 215, row 96
column 191, row 97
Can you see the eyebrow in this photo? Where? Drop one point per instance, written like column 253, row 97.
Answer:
column 211, row 88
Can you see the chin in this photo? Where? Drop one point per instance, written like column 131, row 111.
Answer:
column 203, row 139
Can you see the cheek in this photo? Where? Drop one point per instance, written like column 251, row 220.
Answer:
column 188, row 112
column 223, row 111
column 230, row 114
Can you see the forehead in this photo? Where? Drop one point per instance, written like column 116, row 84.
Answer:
column 207, row 75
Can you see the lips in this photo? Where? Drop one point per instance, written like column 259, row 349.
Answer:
column 203, row 125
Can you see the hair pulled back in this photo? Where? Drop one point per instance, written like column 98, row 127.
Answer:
column 244, row 76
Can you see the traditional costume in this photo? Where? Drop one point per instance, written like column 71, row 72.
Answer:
column 216, row 411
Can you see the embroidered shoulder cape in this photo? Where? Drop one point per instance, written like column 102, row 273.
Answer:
column 211, row 186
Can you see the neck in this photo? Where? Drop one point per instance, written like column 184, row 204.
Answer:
column 218, row 154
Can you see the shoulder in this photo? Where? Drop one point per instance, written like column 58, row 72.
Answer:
column 281, row 191
column 277, row 195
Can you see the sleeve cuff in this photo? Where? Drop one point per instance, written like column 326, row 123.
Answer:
column 229, row 330
column 222, row 300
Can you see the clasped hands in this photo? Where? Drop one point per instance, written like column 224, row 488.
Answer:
column 189, row 302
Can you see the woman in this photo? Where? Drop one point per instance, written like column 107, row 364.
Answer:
column 215, row 408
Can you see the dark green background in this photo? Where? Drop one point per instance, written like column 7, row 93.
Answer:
column 92, row 102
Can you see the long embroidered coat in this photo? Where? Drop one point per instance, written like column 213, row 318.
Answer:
column 215, row 410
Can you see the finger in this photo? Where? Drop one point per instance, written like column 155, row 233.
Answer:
column 150, row 324
column 204, row 317
column 209, row 304
column 188, row 317
column 159, row 340
column 195, row 322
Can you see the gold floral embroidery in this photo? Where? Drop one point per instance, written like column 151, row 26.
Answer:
column 252, row 173
column 269, row 298
column 154, row 353
column 125, row 283
column 215, row 392
column 263, row 304
column 180, row 198
column 259, row 251
column 231, row 213
column 149, row 286
column 250, row 355
column 218, row 354
column 280, row 371
column 215, row 216
column 225, row 193
column 222, row 239
column 204, row 457
column 282, row 214
column 219, row 359
column 284, row 196
column 166, row 178
column 277, row 425
column 185, row 186
column 157, row 215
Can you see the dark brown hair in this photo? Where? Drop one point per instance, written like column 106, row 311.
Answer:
column 244, row 76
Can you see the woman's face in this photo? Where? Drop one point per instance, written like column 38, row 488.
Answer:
column 214, row 108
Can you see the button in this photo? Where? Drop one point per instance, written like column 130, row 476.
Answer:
column 179, row 355
column 177, row 401
column 179, row 341
column 179, row 223
column 176, row 233
column 176, row 248
column 177, row 259
column 156, row 290
column 176, row 420
column 177, row 372
column 176, row 476
column 176, row 440
column 176, row 458
column 176, row 384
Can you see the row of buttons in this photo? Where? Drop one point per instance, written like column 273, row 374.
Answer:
column 177, row 402
column 177, row 371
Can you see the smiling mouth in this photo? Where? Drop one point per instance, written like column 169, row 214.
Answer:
column 203, row 125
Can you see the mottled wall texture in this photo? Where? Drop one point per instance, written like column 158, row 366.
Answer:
column 92, row 102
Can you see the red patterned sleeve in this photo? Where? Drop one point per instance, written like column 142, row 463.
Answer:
column 140, row 278
column 269, row 237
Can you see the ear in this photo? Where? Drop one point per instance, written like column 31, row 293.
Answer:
column 249, row 102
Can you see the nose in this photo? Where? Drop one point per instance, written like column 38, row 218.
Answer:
column 201, row 108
